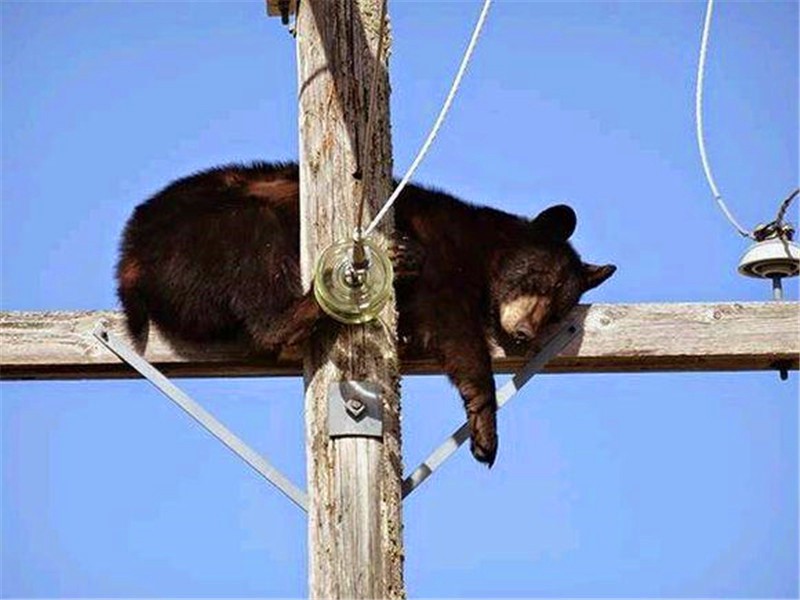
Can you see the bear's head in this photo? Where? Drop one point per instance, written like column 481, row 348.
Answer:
column 542, row 278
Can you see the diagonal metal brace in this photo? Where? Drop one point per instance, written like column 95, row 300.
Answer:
column 202, row 416
column 551, row 349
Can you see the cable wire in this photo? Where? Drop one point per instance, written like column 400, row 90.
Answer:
column 785, row 206
column 698, row 105
column 439, row 120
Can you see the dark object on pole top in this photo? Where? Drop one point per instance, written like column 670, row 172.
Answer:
column 282, row 9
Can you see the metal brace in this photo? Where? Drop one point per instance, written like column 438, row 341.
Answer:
column 355, row 409
column 202, row 416
column 349, row 405
column 551, row 349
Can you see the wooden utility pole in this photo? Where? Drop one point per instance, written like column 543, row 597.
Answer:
column 354, row 484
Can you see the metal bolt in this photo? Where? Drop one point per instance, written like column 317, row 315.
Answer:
column 355, row 408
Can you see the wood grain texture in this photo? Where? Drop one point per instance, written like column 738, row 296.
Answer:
column 616, row 338
column 354, row 484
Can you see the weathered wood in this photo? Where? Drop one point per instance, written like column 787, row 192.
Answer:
column 617, row 338
column 354, row 483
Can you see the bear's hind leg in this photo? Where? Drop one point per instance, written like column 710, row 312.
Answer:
column 291, row 327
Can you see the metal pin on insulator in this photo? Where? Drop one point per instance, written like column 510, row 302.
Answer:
column 353, row 280
column 774, row 256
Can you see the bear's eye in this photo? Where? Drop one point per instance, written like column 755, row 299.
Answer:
column 554, row 317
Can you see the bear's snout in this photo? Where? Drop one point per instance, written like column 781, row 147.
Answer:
column 522, row 317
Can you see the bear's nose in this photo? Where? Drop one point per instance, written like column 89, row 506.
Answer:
column 523, row 333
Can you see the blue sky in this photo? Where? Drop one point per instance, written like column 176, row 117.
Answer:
column 655, row 485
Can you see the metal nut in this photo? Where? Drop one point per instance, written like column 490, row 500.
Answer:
column 355, row 408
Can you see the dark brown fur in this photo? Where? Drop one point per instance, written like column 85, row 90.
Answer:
column 216, row 255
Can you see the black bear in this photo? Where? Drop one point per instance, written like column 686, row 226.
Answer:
column 216, row 255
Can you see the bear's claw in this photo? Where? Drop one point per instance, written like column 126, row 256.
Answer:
column 484, row 454
column 406, row 255
column 483, row 436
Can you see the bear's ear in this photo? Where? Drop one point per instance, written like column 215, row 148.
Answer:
column 557, row 222
column 597, row 274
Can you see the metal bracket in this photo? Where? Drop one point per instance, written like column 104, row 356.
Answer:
column 551, row 349
column 355, row 409
column 202, row 416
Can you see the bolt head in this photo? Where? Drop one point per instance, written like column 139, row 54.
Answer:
column 355, row 408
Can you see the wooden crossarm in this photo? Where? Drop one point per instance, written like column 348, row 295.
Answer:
column 616, row 338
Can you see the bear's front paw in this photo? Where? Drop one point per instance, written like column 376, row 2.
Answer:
column 483, row 439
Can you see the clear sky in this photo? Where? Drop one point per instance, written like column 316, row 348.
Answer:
column 654, row 485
